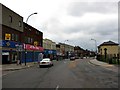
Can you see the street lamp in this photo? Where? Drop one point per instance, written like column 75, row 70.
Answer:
column 25, row 44
column 95, row 45
column 29, row 16
column 64, row 48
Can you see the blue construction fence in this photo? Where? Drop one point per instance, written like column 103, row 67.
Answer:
column 11, row 56
column 30, row 56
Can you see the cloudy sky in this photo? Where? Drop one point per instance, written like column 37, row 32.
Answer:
column 74, row 20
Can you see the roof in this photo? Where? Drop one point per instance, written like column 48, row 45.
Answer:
column 109, row 43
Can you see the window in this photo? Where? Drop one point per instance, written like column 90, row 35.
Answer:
column 16, row 37
column 25, row 39
column 20, row 24
column 37, row 32
column 29, row 40
column 10, row 19
column 13, row 37
column 30, row 29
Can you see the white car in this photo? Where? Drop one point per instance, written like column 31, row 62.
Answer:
column 46, row 62
column 72, row 58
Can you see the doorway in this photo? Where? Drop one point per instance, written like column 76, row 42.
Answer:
column 5, row 59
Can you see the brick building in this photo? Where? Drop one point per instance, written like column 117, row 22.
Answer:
column 32, row 40
column 64, row 50
column 20, row 41
column 49, row 48
column 12, row 27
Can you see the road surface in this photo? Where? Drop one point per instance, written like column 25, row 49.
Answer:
column 64, row 74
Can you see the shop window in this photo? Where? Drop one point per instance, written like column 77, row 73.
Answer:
column 14, row 57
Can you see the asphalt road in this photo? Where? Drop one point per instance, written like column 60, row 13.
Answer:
column 64, row 74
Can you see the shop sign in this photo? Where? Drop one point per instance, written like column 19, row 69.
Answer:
column 11, row 44
column 50, row 51
column 31, row 47
column 35, row 43
column 7, row 36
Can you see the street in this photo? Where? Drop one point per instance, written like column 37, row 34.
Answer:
column 64, row 74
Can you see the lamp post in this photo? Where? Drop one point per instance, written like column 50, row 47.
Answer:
column 95, row 46
column 64, row 48
column 26, row 23
column 29, row 16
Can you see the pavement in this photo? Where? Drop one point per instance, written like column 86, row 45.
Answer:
column 11, row 67
column 111, row 67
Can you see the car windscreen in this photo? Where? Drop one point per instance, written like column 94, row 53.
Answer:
column 47, row 60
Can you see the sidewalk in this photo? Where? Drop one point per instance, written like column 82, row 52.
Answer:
column 11, row 67
column 103, row 64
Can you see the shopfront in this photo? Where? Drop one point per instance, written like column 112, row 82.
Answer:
column 9, row 52
column 50, row 54
column 31, row 53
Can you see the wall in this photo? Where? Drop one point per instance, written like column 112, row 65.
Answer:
column 110, row 49
column 33, row 33
column 49, row 44
column 6, row 13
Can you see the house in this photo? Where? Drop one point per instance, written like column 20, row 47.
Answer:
column 108, row 48
column 49, row 48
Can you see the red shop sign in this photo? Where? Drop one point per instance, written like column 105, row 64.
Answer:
column 31, row 47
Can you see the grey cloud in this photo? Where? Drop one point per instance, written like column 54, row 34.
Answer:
column 80, row 8
column 102, row 28
column 106, row 28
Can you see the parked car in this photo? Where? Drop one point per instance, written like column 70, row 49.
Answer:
column 46, row 62
column 72, row 57
column 76, row 57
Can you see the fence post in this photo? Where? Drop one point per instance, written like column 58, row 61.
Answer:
column 118, row 58
column 110, row 59
column 114, row 59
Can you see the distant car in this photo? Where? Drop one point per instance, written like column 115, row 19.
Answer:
column 46, row 62
column 72, row 58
